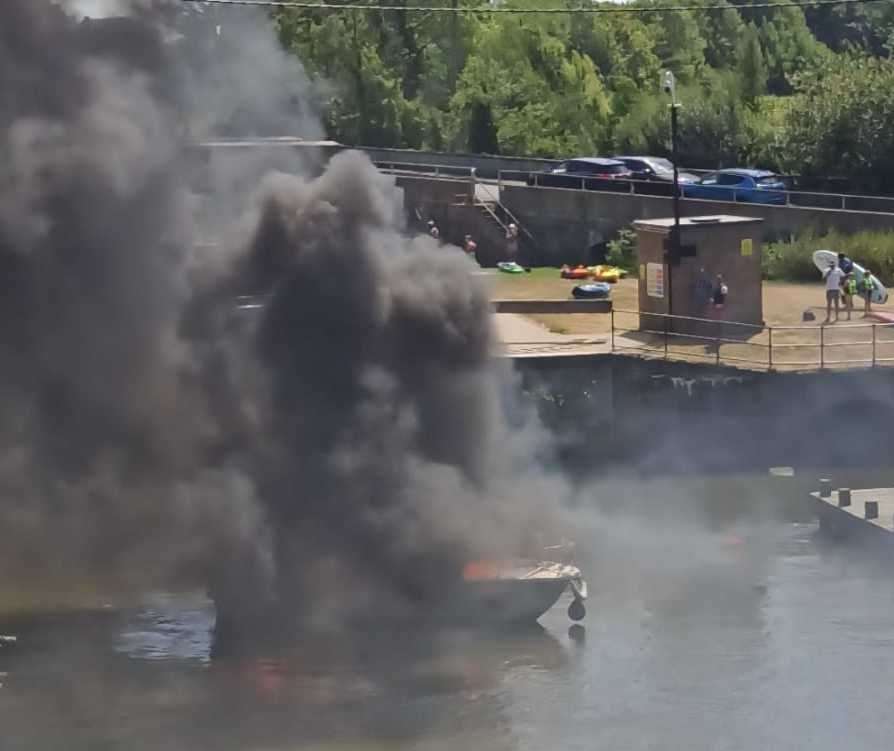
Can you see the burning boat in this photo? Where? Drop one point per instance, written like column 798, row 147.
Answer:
column 516, row 591
column 488, row 594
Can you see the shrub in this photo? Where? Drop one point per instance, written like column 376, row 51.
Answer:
column 621, row 251
column 793, row 260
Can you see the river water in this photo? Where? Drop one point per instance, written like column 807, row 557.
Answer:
column 732, row 631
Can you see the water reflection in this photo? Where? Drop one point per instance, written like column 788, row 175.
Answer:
column 744, row 632
column 153, row 678
column 169, row 628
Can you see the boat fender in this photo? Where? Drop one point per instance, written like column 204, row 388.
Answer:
column 576, row 610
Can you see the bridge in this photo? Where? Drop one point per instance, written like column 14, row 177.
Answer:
column 481, row 195
column 564, row 224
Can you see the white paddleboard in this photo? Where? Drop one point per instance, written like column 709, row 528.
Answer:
column 822, row 259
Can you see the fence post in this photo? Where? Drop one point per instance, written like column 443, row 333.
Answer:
column 822, row 346
column 770, row 349
column 874, row 326
column 665, row 336
column 843, row 201
column 613, row 330
column 717, row 343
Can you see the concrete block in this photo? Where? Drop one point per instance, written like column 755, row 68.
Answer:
column 844, row 497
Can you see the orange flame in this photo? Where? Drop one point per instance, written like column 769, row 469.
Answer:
column 480, row 570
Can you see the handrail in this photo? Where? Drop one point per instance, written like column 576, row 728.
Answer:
column 772, row 346
column 463, row 173
column 797, row 198
column 792, row 197
column 487, row 207
column 448, row 170
column 502, row 206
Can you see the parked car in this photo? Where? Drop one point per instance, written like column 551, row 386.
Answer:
column 654, row 169
column 745, row 185
column 590, row 173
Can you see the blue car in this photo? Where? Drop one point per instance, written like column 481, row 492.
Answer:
column 744, row 185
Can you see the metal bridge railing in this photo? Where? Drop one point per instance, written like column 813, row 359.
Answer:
column 818, row 347
column 797, row 198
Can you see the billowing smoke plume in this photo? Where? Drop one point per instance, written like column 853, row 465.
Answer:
column 348, row 436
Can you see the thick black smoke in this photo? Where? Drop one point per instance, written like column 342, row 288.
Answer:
column 348, row 438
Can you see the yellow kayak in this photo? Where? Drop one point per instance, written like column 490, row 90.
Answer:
column 611, row 274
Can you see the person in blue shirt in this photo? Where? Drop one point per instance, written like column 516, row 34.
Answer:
column 845, row 264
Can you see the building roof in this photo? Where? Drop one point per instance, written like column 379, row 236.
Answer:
column 695, row 221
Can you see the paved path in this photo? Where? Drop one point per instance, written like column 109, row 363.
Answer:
column 523, row 337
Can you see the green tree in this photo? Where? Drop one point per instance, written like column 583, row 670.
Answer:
column 482, row 131
column 544, row 97
column 840, row 122
column 722, row 32
column 790, row 47
column 680, row 45
column 752, row 69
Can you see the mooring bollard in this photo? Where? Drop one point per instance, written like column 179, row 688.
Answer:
column 825, row 488
column 871, row 508
column 844, row 497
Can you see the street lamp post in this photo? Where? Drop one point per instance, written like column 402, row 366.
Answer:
column 673, row 253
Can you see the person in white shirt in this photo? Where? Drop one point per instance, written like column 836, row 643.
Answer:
column 833, row 276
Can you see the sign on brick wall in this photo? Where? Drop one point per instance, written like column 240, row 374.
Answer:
column 655, row 279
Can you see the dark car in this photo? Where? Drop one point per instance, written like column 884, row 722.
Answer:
column 589, row 173
column 654, row 175
column 654, row 169
column 744, row 185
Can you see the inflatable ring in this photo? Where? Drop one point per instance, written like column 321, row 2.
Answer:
column 595, row 291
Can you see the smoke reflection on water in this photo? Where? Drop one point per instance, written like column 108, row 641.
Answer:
column 153, row 678
column 759, row 634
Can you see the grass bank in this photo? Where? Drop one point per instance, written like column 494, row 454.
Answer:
column 793, row 261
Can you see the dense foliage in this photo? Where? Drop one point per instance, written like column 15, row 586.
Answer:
column 793, row 260
column 760, row 86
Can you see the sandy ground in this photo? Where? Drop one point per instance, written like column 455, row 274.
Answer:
column 843, row 344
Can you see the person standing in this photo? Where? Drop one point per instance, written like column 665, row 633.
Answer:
column 849, row 289
column 703, row 291
column 833, row 276
column 718, row 297
column 470, row 246
column 867, row 287
column 512, row 243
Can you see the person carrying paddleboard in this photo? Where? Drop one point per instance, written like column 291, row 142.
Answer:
column 845, row 263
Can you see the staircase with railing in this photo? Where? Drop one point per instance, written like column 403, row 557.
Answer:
column 483, row 215
column 486, row 198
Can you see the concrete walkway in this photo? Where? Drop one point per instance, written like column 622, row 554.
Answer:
column 523, row 337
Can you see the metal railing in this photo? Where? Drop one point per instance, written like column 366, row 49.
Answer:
column 493, row 193
column 493, row 206
column 818, row 347
column 632, row 186
column 432, row 170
